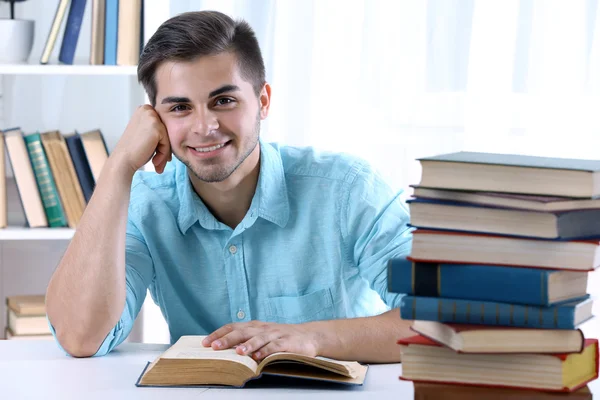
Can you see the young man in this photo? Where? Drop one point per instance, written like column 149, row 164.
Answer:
column 262, row 247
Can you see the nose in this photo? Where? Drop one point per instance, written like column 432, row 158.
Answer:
column 205, row 122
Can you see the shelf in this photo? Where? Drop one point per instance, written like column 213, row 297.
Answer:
column 17, row 233
column 60, row 69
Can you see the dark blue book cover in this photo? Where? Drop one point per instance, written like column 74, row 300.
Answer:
column 565, row 316
column 72, row 29
column 81, row 164
column 527, row 286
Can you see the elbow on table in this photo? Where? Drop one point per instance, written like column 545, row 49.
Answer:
column 78, row 345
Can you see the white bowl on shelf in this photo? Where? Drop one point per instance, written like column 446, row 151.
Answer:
column 16, row 40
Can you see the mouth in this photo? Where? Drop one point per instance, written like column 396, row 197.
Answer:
column 209, row 151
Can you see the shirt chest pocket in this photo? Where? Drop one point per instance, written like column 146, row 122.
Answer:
column 313, row 306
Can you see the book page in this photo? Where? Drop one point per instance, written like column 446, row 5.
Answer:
column 350, row 369
column 190, row 347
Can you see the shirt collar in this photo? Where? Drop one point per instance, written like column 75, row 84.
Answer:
column 270, row 200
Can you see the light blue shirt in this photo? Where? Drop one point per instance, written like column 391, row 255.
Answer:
column 314, row 245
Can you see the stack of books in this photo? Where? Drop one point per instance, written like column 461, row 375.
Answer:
column 497, row 278
column 26, row 318
column 55, row 174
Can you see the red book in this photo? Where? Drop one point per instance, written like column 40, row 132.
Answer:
column 424, row 360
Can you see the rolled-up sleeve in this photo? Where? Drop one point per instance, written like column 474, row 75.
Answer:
column 139, row 273
column 375, row 229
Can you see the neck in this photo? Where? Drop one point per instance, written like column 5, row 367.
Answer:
column 230, row 200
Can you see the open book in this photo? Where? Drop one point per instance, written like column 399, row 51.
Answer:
column 189, row 363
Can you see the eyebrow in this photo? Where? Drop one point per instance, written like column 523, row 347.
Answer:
column 223, row 89
column 216, row 92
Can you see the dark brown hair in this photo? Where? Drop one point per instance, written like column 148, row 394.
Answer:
column 190, row 35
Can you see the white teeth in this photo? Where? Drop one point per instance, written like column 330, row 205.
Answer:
column 207, row 149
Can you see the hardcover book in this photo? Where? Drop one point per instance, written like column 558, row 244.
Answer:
column 189, row 363
column 471, row 248
column 529, row 286
column 465, row 217
column 497, row 172
column 564, row 316
column 464, row 338
column 423, row 360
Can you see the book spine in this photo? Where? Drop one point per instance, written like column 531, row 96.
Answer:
column 72, row 29
column 111, row 32
column 526, row 286
column 486, row 313
column 45, row 182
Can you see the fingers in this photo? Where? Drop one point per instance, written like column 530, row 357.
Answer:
column 271, row 347
column 258, row 341
column 222, row 331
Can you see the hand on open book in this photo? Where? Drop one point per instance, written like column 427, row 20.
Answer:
column 260, row 339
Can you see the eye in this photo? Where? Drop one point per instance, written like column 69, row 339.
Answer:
column 223, row 101
column 179, row 108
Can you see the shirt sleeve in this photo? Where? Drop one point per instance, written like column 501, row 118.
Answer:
column 139, row 273
column 375, row 229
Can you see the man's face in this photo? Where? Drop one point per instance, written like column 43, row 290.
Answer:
column 212, row 115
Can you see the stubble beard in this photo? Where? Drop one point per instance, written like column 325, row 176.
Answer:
column 217, row 172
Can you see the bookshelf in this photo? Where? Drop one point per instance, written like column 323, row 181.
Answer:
column 65, row 97
column 17, row 233
column 59, row 69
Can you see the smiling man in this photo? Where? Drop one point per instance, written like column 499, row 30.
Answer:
column 259, row 246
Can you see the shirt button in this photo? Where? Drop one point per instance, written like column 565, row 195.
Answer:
column 233, row 250
column 241, row 314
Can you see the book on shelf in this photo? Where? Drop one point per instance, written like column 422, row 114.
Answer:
column 111, row 32
column 568, row 315
column 465, row 217
column 129, row 32
column 26, row 315
column 464, row 338
column 440, row 391
column 9, row 335
column 27, row 304
column 59, row 16
column 97, row 39
column 62, row 168
column 507, row 200
column 96, row 151
column 29, row 194
column 71, row 32
column 529, row 286
column 189, row 363
column 27, row 324
column 512, row 173
column 478, row 248
column 424, row 360
column 81, row 165
column 45, row 181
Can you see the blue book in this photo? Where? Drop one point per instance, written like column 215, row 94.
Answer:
column 81, row 165
column 528, row 286
column 111, row 28
column 565, row 316
column 72, row 29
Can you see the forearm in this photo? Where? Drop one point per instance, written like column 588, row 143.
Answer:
column 86, row 294
column 368, row 339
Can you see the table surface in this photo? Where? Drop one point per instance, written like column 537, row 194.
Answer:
column 38, row 369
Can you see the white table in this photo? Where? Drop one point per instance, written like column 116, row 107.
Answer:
column 39, row 370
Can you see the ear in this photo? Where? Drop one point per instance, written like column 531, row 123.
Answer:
column 265, row 100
